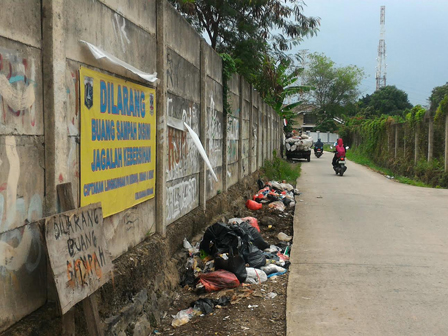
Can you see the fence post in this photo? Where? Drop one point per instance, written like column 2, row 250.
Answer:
column 53, row 52
column 396, row 141
column 269, row 134
column 416, row 147
column 240, row 128
column 251, row 129
column 162, row 141
column 404, row 140
column 446, row 142
column 203, row 127
column 263, row 132
column 430, row 139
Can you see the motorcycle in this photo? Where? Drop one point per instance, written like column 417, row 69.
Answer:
column 318, row 152
column 340, row 166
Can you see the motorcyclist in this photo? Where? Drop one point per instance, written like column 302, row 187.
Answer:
column 318, row 144
column 339, row 151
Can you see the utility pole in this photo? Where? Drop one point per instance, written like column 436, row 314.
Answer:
column 381, row 60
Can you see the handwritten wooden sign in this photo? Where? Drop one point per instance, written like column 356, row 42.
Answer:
column 79, row 257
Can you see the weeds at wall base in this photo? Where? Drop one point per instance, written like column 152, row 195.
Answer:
column 279, row 169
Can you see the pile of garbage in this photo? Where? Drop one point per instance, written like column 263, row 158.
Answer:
column 299, row 142
column 277, row 195
column 229, row 255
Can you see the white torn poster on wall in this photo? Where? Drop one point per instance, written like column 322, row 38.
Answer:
column 201, row 149
column 98, row 53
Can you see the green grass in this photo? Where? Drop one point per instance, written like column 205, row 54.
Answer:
column 362, row 160
column 279, row 170
column 327, row 148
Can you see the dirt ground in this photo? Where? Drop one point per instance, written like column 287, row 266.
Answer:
column 252, row 311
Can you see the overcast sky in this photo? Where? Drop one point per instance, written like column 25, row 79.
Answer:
column 416, row 41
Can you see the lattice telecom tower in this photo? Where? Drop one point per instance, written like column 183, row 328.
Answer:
column 381, row 60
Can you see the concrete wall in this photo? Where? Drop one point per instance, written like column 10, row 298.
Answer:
column 39, row 64
column 22, row 258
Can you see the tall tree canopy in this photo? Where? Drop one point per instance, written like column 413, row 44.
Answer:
column 437, row 95
column 387, row 100
column 228, row 21
column 245, row 28
column 335, row 87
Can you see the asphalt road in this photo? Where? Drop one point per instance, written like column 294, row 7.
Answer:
column 369, row 256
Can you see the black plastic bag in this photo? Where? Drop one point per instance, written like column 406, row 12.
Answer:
column 205, row 305
column 235, row 264
column 188, row 278
column 222, row 301
column 286, row 201
column 254, row 236
column 260, row 184
column 218, row 238
column 254, row 256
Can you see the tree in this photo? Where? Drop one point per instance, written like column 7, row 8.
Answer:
column 277, row 82
column 225, row 21
column 335, row 87
column 244, row 28
column 437, row 95
column 387, row 100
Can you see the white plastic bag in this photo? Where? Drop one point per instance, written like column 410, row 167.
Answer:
column 272, row 268
column 284, row 237
column 278, row 205
column 255, row 275
column 184, row 316
column 286, row 186
column 272, row 249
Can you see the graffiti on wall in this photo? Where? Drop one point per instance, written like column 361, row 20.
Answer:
column 17, row 90
column 181, row 198
column 183, row 159
column 183, row 156
column 22, row 257
column 214, row 144
column 232, row 138
column 214, row 135
column 15, row 211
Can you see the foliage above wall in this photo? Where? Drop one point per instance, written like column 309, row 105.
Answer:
column 256, row 35
column 228, row 69
column 415, row 115
column 387, row 100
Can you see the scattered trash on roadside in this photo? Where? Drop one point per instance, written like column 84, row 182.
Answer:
column 255, row 276
column 233, row 255
column 217, row 280
column 184, row 316
column 280, row 206
column 284, row 237
column 271, row 295
column 252, row 205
